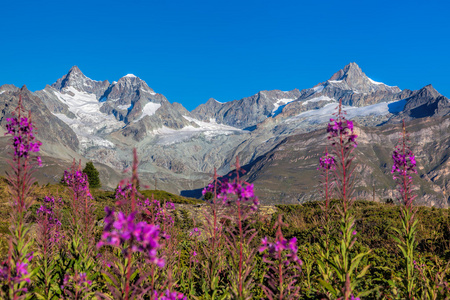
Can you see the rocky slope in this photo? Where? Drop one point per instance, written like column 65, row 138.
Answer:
column 277, row 135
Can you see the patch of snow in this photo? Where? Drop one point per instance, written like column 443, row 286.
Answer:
column 131, row 75
column 374, row 82
column 87, row 138
column 320, row 98
column 280, row 104
column 167, row 136
column 149, row 110
column 114, row 82
column 334, row 81
column 147, row 91
column 89, row 122
column 218, row 101
column 323, row 115
column 209, row 126
column 124, row 106
column 318, row 89
column 2, row 92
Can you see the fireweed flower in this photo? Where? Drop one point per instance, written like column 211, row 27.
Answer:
column 404, row 165
column 274, row 249
column 283, row 265
column 157, row 213
column 24, row 144
column 195, row 232
column 168, row 295
column 46, row 217
column 123, row 232
column 342, row 128
column 78, row 182
column 234, row 191
column 327, row 162
column 24, row 141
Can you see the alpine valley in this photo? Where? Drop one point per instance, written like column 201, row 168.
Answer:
column 277, row 135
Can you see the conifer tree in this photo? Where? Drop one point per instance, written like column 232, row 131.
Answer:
column 92, row 174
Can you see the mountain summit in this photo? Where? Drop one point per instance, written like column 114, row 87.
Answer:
column 76, row 79
column 351, row 77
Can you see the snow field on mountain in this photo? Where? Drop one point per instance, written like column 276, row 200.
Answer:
column 282, row 103
column 323, row 115
column 167, row 136
column 89, row 121
column 149, row 110
column 320, row 98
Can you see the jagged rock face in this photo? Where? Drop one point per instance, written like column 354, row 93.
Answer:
column 280, row 148
column 352, row 78
column 49, row 128
column 207, row 111
column 166, row 116
column 426, row 102
column 288, row 174
column 53, row 103
column 75, row 78
column 127, row 98
column 246, row 112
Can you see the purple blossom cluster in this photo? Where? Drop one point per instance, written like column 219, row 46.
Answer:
column 195, row 232
column 78, row 182
column 80, row 280
column 276, row 249
column 17, row 275
column 123, row 193
column 168, row 295
column 227, row 192
column 121, row 230
column 46, row 213
column 342, row 128
column 158, row 213
column 327, row 162
column 404, row 163
column 24, row 141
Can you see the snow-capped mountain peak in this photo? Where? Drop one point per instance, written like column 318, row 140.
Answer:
column 76, row 79
column 351, row 77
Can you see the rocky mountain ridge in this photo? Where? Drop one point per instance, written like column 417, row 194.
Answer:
column 102, row 121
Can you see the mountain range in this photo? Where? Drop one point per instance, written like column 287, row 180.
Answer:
column 278, row 135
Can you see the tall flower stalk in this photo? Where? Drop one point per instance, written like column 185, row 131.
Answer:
column 82, row 205
column 17, row 271
column 79, row 253
column 48, row 239
column 214, row 250
column 343, row 141
column 403, row 168
column 242, row 203
column 284, row 266
column 327, row 166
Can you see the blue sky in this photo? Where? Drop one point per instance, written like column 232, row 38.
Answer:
column 193, row 50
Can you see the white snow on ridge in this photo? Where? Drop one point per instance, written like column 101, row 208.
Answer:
column 124, row 106
column 149, row 110
column 320, row 98
column 88, row 121
column 167, row 136
column 279, row 103
column 2, row 92
column 324, row 114
column 374, row 82
column 130, row 75
column 318, row 89
column 211, row 126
